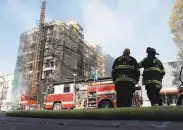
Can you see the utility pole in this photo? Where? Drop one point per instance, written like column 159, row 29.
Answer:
column 74, row 80
column 74, row 74
column 2, row 90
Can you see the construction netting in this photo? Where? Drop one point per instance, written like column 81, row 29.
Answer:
column 65, row 53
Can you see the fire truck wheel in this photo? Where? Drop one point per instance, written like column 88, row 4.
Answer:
column 57, row 106
column 180, row 100
column 105, row 104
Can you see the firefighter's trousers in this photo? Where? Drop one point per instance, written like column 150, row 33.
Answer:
column 153, row 94
column 124, row 92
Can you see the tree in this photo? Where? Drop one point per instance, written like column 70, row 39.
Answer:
column 176, row 26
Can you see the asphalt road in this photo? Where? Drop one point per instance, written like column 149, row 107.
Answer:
column 17, row 123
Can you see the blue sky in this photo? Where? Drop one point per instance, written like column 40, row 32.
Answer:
column 113, row 24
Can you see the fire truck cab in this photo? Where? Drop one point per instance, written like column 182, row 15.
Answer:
column 60, row 97
column 26, row 102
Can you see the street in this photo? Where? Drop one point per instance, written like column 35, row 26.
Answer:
column 17, row 123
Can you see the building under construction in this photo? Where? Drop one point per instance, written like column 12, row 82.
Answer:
column 104, row 61
column 65, row 53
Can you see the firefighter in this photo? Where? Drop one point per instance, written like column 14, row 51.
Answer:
column 152, row 76
column 125, row 75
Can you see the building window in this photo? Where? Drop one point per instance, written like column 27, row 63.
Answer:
column 66, row 89
column 48, row 73
column 30, row 67
column 47, row 52
column 4, row 96
column 5, row 88
column 6, row 84
column 5, row 92
column 49, row 63
column 1, row 84
column 12, row 82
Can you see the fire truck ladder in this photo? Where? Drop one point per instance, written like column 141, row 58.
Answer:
column 39, row 53
column 92, row 99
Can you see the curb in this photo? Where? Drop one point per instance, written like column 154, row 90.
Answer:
column 152, row 113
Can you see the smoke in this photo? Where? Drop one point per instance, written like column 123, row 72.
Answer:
column 103, row 25
column 117, row 24
column 20, row 86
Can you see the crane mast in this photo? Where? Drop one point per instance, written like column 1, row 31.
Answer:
column 39, row 53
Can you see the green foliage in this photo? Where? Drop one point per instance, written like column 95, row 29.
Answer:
column 176, row 26
column 176, row 71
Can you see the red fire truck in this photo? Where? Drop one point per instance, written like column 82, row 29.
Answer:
column 170, row 96
column 26, row 103
column 180, row 98
column 82, row 94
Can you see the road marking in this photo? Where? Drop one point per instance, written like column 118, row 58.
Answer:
column 164, row 125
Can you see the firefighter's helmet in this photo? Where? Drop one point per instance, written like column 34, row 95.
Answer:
column 150, row 50
column 126, row 51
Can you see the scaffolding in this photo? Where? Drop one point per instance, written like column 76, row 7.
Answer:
column 64, row 53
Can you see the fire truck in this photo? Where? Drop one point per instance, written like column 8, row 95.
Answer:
column 27, row 103
column 180, row 89
column 180, row 98
column 170, row 96
column 85, row 94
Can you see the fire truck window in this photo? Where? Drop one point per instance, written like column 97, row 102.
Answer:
column 51, row 91
column 66, row 89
